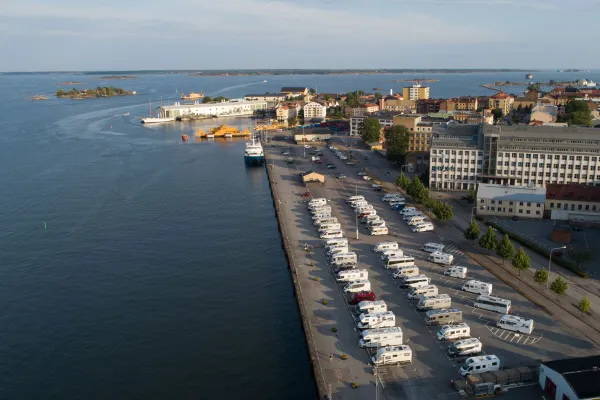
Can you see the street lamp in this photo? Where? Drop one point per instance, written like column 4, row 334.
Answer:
column 356, row 211
column 549, row 261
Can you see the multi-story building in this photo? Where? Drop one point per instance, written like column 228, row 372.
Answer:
column 420, row 132
column 287, row 111
column 363, row 109
column 544, row 113
column 514, row 155
column 426, row 106
column 270, row 98
column 291, row 91
column 573, row 202
column 397, row 104
column 510, row 201
column 502, row 101
column 467, row 103
column 386, row 119
column 415, row 92
column 314, row 110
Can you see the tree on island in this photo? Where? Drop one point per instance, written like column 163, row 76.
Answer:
column 207, row 99
column 396, row 140
column 312, row 91
column 534, row 86
column 371, row 130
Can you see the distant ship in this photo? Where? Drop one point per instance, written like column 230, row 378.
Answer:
column 192, row 96
column 253, row 154
column 529, row 76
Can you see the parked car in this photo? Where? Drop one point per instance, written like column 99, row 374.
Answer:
column 306, row 194
column 362, row 173
column 577, row 229
column 375, row 186
column 341, row 176
column 367, row 178
column 318, row 162
column 366, row 158
column 331, row 166
column 379, row 189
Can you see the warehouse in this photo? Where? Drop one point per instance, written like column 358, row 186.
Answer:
column 571, row 378
column 312, row 176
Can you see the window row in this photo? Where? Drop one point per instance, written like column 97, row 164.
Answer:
column 580, row 207
column 548, row 156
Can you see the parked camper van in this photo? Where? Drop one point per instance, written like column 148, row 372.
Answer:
column 391, row 196
column 465, row 347
column 323, row 218
column 355, row 198
column 330, row 226
column 441, row 258
column 358, row 204
column 379, row 231
column 366, row 213
column 453, row 332
column 337, row 241
column 414, row 281
column 412, row 214
column 395, row 355
column 361, row 209
column 332, row 235
column 381, row 247
column 406, row 271
column 387, row 254
column 433, row 247
column 376, row 320
column 321, row 210
column 425, row 227
column 371, row 307
column 373, row 217
column 477, row 287
column 515, row 324
column 399, row 262
column 443, row 317
column 344, row 267
column 407, row 210
column 317, row 206
column 352, row 275
column 480, row 364
column 362, row 296
column 319, row 201
column 381, row 337
column 416, row 220
column 344, row 258
column 437, row 302
column 456, row 272
column 358, row 286
column 337, row 250
column 491, row 303
column 415, row 293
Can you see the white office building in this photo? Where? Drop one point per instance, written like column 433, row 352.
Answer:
column 234, row 107
column 314, row 110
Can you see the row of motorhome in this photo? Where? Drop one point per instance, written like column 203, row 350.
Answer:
column 328, row 226
column 368, row 215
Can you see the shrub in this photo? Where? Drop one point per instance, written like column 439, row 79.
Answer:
column 316, row 279
column 344, row 357
column 585, row 305
column 354, row 385
column 324, row 302
column 334, row 329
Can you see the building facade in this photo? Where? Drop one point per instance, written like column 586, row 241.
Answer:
column 571, row 378
column 385, row 119
column 426, row 106
column 287, row 111
column 502, row 101
column 545, row 113
column 314, row 110
column 269, row 98
column 233, row 107
column 420, row 132
column 415, row 92
column 573, row 202
column 292, row 91
column 510, row 201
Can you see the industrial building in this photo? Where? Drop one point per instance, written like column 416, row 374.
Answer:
column 573, row 202
column 312, row 176
column 510, row 201
column 234, row 107
column 571, row 378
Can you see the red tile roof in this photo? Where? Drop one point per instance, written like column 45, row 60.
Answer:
column 573, row 192
column 369, row 105
column 500, row 95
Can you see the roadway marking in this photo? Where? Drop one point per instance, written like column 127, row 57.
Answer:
column 513, row 337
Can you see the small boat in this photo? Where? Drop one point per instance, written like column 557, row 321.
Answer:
column 228, row 135
column 210, row 136
column 126, row 114
column 192, row 96
column 264, row 81
column 184, row 138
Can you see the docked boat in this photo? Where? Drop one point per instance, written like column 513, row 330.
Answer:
column 254, row 154
column 223, row 131
column 155, row 120
column 192, row 96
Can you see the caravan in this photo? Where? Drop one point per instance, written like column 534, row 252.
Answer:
column 335, row 242
column 406, row 271
column 323, row 219
column 355, row 198
column 407, row 210
column 387, row 254
column 479, row 365
column 379, row 223
column 329, row 226
column 320, row 216
column 491, row 303
column 372, row 217
column 358, row 204
column 477, row 287
column 344, row 258
column 377, row 320
column 441, row 258
column 358, row 286
column 379, row 231
column 515, row 324
column 465, row 347
column 443, row 317
column 381, row 337
column 415, row 293
column 362, row 209
column 453, row 332
column 332, row 235
column 418, row 220
column 352, row 275
column 317, row 202
column 433, row 247
column 391, row 196
column 407, row 217
column 437, row 302
column 399, row 262
column 321, row 210
column 371, row 307
column 366, row 213
column 395, row 355
column 456, row 272
column 381, row 247
column 336, row 250
column 424, row 227
column 414, row 281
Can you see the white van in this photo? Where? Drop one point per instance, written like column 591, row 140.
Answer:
column 319, row 201
column 376, row 320
column 391, row 254
column 358, row 286
column 405, row 272
column 456, row 272
column 373, row 217
column 366, row 213
column 391, row 196
column 352, row 275
column 411, row 215
column 477, row 287
column 393, row 355
column 332, row 235
column 376, row 224
column 433, row 247
column 480, row 364
column 325, row 217
column 379, row 231
column 453, row 332
column 418, row 220
column 381, row 337
column 335, row 242
column 424, row 227
column 515, row 324
column 355, row 198
column 441, row 258
column 399, row 262
column 344, row 258
column 358, row 204
column 465, row 347
column 415, row 293
column 337, row 250
column 371, row 307
column 381, row 247
column 361, row 209
column 407, row 210
column 321, row 210
column 410, row 282
column 437, row 302
column 330, row 226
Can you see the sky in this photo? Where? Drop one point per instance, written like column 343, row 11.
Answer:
column 81, row 35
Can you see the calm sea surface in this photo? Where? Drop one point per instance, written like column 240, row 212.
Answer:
column 159, row 272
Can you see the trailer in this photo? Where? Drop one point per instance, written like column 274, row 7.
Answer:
column 496, row 382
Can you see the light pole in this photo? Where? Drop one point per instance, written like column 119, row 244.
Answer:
column 550, row 261
column 356, row 211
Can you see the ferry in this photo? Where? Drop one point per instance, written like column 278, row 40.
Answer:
column 192, row 96
column 253, row 154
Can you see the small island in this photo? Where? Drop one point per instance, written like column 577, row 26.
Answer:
column 118, row 77
column 71, row 83
column 105, row 91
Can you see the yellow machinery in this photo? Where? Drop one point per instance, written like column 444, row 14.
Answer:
column 222, row 131
column 272, row 127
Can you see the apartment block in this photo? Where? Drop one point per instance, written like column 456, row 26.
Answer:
column 420, row 132
column 510, row 201
column 503, row 101
column 314, row 110
column 415, row 92
column 386, row 119
column 426, row 106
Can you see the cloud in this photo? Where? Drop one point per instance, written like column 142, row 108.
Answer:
column 541, row 5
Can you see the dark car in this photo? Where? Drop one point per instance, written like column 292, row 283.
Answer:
column 515, row 218
column 378, row 189
column 320, row 154
column 362, row 296
column 577, row 229
column 331, row 166
column 366, row 158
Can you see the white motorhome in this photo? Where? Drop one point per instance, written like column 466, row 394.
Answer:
column 399, row 262
column 379, row 231
column 321, row 210
column 412, row 214
column 443, row 317
column 515, row 324
column 426, row 227
column 480, row 364
column 330, row 226
column 405, row 272
column 387, row 254
column 337, row 250
column 318, row 219
column 381, row 337
column 415, row 293
column 416, row 220
column 352, row 275
column 414, row 281
column 368, row 218
column 355, row 198
column 376, row 320
column 456, row 272
column 317, row 201
column 391, row 196
column 437, row 302
column 477, row 287
column 394, row 355
column 376, row 224
column 381, row 247
column 344, row 258
column 358, row 286
column 335, row 242
column 358, row 204
column 433, row 247
column 366, row 213
column 371, row 307
column 364, row 208
column 493, row 303
column 316, row 206
column 441, row 258
column 332, row 235
column 465, row 347
column 453, row 332
column 407, row 210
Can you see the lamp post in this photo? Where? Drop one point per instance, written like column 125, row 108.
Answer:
column 356, row 211
column 550, row 261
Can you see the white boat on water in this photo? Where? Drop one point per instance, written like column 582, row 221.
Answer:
column 265, row 81
column 155, row 120
column 254, row 154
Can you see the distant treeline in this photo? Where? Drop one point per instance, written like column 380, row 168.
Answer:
column 104, row 91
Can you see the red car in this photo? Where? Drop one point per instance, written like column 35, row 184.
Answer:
column 362, row 296
column 306, row 194
column 318, row 162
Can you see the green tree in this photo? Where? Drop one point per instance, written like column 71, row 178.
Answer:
column 292, row 121
column 580, row 256
column 559, row 286
column 577, row 112
column 396, row 141
column 488, row 241
column 403, row 181
column 541, row 276
column 371, row 130
column 534, row 86
column 585, row 305
column 472, row 233
column 417, row 190
column 471, row 196
column 521, row 261
column 60, row 93
column 206, row 99
column 443, row 211
column 353, row 98
column 505, row 249
column 497, row 113
column 220, row 99
column 312, row 91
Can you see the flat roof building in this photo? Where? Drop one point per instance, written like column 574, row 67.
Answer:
column 571, row 378
column 233, row 107
column 573, row 202
column 510, row 201
column 312, row 176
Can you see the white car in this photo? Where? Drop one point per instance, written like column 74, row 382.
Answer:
column 341, row 176
column 375, row 186
column 343, row 158
column 361, row 173
column 367, row 178
column 306, row 146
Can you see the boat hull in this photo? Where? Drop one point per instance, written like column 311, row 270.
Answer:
column 254, row 160
column 156, row 120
